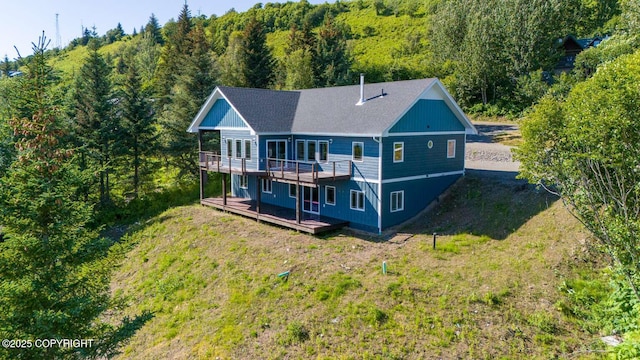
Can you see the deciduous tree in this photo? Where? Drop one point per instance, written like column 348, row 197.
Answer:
column 586, row 148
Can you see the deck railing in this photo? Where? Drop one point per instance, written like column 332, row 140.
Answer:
column 307, row 171
column 212, row 161
column 303, row 171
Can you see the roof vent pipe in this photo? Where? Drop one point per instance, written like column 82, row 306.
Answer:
column 362, row 100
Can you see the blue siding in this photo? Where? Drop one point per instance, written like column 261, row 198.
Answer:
column 223, row 115
column 263, row 147
column 238, row 135
column 417, row 195
column 365, row 220
column 418, row 158
column 340, row 149
column 249, row 193
column 279, row 195
column 427, row 116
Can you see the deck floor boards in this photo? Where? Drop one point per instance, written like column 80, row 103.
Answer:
column 310, row 223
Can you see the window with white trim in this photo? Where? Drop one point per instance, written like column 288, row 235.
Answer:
column 247, row 149
column 229, row 147
column 397, row 201
column 293, row 190
column 357, row 151
column 300, row 150
column 267, row 186
column 357, row 200
column 330, row 195
column 398, row 152
column 243, row 181
column 311, row 150
column 451, row 149
column 323, row 151
column 238, row 149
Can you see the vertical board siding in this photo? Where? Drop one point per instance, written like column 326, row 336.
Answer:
column 238, row 135
column 279, row 195
column 418, row 194
column 223, row 115
column 419, row 159
column 236, row 191
column 365, row 220
column 427, row 116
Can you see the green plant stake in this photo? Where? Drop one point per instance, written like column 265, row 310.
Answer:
column 384, row 268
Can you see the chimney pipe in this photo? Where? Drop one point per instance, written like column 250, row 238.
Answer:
column 361, row 90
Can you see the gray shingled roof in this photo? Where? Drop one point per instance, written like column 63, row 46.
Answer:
column 334, row 110
column 265, row 110
column 326, row 110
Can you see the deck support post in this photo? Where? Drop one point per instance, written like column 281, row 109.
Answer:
column 203, row 183
column 224, row 189
column 258, row 198
column 298, row 203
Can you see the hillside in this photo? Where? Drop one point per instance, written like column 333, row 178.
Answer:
column 489, row 289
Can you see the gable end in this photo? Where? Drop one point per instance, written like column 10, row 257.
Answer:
column 428, row 116
column 222, row 115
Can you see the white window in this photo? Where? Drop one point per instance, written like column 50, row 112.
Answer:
column 451, row 149
column 398, row 152
column 247, row 149
column 293, row 189
column 311, row 150
column 244, row 181
column 267, row 186
column 357, row 200
column 229, row 147
column 238, row 149
column 397, row 201
column 300, row 154
column 357, row 151
column 330, row 195
column 324, row 151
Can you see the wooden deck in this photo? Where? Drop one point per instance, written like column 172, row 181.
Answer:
column 310, row 223
column 287, row 171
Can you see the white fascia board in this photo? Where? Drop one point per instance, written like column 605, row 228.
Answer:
column 428, row 133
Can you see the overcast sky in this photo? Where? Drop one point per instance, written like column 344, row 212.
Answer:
column 22, row 21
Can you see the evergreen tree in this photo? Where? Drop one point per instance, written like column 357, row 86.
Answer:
column 152, row 29
column 138, row 135
column 332, row 59
column 190, row 92
column 258, row 62
column 54, row 268
column 172, row 59
column 115, row 34
column 95, row 121
column 6, row 67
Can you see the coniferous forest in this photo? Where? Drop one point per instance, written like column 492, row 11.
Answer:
column 93, row 135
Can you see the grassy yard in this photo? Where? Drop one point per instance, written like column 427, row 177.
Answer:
column 489, row 290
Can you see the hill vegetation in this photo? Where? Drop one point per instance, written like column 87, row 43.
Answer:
column 499, row 284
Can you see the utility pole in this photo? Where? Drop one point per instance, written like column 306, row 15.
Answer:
column 58, row 38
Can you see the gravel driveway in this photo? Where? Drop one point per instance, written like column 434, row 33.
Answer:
column 484, row 156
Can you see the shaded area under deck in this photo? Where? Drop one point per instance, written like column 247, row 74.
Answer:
column 310, row 223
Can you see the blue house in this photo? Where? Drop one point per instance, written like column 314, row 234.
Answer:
column 369, row 156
